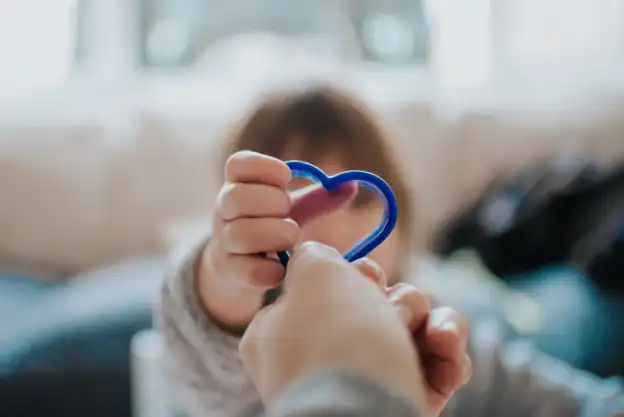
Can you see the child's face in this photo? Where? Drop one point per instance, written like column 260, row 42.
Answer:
column 345, row 227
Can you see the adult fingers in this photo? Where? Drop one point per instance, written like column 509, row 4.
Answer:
column 371, row 270
column 412, row 305
column 446, row 334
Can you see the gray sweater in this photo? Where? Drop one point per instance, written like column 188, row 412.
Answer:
column 510, row 378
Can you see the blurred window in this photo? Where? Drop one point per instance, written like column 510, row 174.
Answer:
column 177, row 33
column 39, row 45
column 561, row 37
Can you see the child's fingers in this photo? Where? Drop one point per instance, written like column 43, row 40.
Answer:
column 370, row 269
column 251, row 236
column 252, row 200
column 254, row 271
column 253, row 167
column 315, row 201
column 412, row 305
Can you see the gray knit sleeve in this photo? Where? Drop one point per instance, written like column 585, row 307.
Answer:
column 512, row 378
column 331, row 392
column 202, row 361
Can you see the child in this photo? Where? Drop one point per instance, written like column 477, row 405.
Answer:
column 214, row 290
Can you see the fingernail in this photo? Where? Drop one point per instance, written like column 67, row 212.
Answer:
column 396, row 291
column 439, row 318
column 449, row 326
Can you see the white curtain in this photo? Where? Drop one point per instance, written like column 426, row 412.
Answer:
column 37, row 41
column 461, row 54
column 477, row 41
column 561, row 38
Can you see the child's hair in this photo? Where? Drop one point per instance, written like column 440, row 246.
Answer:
column 318, row 121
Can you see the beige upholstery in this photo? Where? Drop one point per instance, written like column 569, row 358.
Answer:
column 75, row 197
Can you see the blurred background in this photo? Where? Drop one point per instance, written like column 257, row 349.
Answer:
column 509, row 112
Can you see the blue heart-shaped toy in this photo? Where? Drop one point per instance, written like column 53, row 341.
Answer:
column 302, row 169
column 365, row 246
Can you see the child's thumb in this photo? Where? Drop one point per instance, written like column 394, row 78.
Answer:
column 314, row 201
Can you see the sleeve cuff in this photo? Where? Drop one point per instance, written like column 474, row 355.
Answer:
column 334, row 390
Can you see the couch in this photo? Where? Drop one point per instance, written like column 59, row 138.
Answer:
column 93, row 202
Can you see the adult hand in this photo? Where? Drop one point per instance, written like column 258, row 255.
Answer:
column 330, row 316
column 440, row 336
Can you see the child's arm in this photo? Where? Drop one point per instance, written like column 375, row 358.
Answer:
column 514, row 379
column 253, row 213
column 202, row 360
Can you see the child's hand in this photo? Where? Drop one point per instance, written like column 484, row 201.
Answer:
column 255, row 215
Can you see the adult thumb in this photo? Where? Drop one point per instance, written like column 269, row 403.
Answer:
column 312, row 265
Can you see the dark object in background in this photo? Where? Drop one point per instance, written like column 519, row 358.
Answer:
column 571, row 214
column 553, row 216
column 607, row 269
